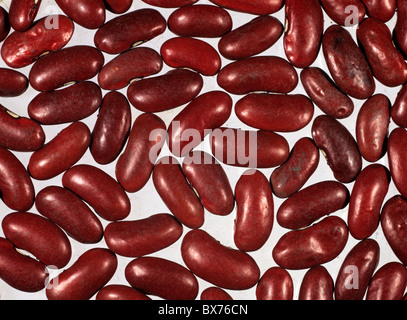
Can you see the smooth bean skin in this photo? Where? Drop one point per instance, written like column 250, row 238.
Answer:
column 372, row 126
column 251, row 38
column 22, row 13
column 118, row 292
column 275, row 112
column 89, row 14
column 70, row 104
column 317, row 284
column 275, row 284
column 215, row 293
column 347, row 64
column 258, row 7
column 88, row 274
column 295, row 172
column 165, row 92
column 325, row 94
column 142, row 237
column 12, row 83
column 400, row 37
column 70, row 213
column 4, row 24
column 383, row 10
column 176, row 193
column 338, row 12
column 340, row 148
column 170, row 3
column 255, row 211
column 388, row 283
column 118, row 6
column 399, row 109
column 146, row 139
column 125, row 31
column 304, row 29
column 315, row 245
column 220, row 265
column 210, row 181
column 397, row 155
column 39, row 236
column 263, row 73
column 98, row 188
column 111, row 129
column 218, row 108
column 312, row 203
column 20, row 271
column 356, row 270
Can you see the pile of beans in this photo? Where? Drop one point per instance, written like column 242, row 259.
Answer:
column 192, row 149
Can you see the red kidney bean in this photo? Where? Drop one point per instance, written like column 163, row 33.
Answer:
column 195, row 54
column 135, row 164
column 258, row 7
column 218, row 264
column 399, row 109
column 397, row 156
column 189, row 128
column 99, row 190
column 118, row 6
column 255, row 211
column 22, row 13
column 70, row 213
column 347, row 64
column 201, row 20
column 210, row 181
column 170, row 3
column 275, row 284
column 89, row 14
column 339, row 146
column 165, row 92
column 215, row 293
column 312, row 203
column 72, row 64
column 400, row 37
column 130, row 65
column 275, row 112
column 19, row 133
column 372, row 127
column 251, row 38
column 317, row 284
column 382, row 10
column 111, row 129
column 70, row 104
column 20, row 271
column 125, row 31
column 325, row 94
column 295, row 172
column 142, row 237
column 61, row 153
column 4, row 24
column 344, row 12
column 176, row 193
column 16, row 186
column 262, row 73
column 120, row 292
column 356, row 270
column 12, row 83
column 301, row 45
column 89, row 273
column 388, row 283
column 393, row 221
column 318, row 244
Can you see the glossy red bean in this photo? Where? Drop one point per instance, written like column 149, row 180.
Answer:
column 372, row 126
column 210, row 182
column 317, row 284
column 201, row 20
column 111, row 129
column 165, row 92
column 120, row 292
column 325, row 94
column 176, row 193
column 70, row 213
column 339, row 146
column 21, row 271
column 295, row 172
column 99, row 190
column 275, row 284
column 4, row 24
column 22, row 13
column 175, row 282
column 70, row 104
column 347, row 64
column 135, row 164
column 189, row 127
column 356, row 270
column 118, row 6
column 220, row 265
column 379, row 9
column 215, row 293
column 12, row 83
column 255, row 211
column 85, row 277
column 399, row 109
column 258, row 7
column 19, row 133
column 318, row 244
column 388, row 283
column 400, row 37
column 170, row 3
column 304, row 28
column 89, row 14
column 397, row 155
column 250, row 39
column 262, row 73
column 144, row 236
column 128, row 30
column 39, row 236
column 346, row 12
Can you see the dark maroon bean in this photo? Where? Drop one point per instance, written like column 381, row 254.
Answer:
column 90, row 14
column 22, row 13
column 12, row 83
